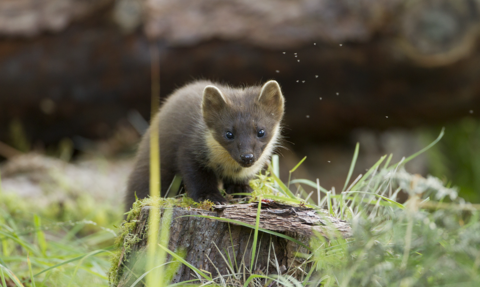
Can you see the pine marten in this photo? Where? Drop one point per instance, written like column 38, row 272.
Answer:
column 211, row 133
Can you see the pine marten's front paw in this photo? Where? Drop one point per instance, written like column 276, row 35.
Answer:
column 216, row 198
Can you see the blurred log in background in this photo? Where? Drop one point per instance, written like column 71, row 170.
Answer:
column 372, row 71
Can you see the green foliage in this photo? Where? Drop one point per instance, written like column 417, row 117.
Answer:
column 42, row 252
column 401, row 245
column 413, row 248
column 81, row 208
column 456, row 158
column 423, row 242
column 55, row 245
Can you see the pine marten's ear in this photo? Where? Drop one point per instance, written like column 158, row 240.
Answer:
column 213, row 101
column 271, row 98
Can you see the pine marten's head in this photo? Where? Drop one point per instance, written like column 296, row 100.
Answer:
column 244, row 123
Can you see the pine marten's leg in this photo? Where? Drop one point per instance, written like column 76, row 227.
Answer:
column 138, row 184
column 200, row 182
column 236, row 187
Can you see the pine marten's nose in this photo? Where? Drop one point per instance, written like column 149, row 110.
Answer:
column 247, row 158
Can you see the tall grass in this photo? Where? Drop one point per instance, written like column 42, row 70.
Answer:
column 38, row 248
column 154, row 257
column 44, row 252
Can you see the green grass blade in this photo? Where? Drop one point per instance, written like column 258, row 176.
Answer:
column 28, row 247
column 307, row 196
column 390, row 201
column 275, row 165
column 352, row 166
column 281, row 280
column 174, row 255
column 11, row 276
column 294, row 169
column 298, row 164
column 69, row 261
column 154, row 183
column 442, row 132
column 4, row 283
column 30, row 272
column 146, row 273
column 310, row 272
column 183, row 284
column 233, row 247
column 388, row 161
column 163, row 240
column 2, row 275
column 230, row 262
column 81, row 261
column 174, row 186
column 255, row 235
column 40, row 235
column 310, row 183
column 237, row 222
column 1, row 259
column 329, row 204
column 254, row 276
column 374, row 167
column 282, row 186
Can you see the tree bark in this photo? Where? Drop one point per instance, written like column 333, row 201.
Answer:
column 210, row 244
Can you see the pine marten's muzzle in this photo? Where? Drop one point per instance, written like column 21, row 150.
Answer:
column 247, row 159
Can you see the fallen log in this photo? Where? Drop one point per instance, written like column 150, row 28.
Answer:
column 342, row 65
column 208, row 243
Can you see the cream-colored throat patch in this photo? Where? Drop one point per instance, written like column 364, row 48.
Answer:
column 225, row 166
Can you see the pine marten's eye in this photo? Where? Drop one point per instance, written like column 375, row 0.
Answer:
column 260, row 133
column 229, row 135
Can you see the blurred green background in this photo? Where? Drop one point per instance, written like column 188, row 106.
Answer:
column 455, row 158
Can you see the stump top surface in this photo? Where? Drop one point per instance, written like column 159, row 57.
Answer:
column 275, row 217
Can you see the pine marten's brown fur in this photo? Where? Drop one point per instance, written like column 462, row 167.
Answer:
column 211, row 133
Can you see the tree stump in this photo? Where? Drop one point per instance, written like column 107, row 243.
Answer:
column 214, row 246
